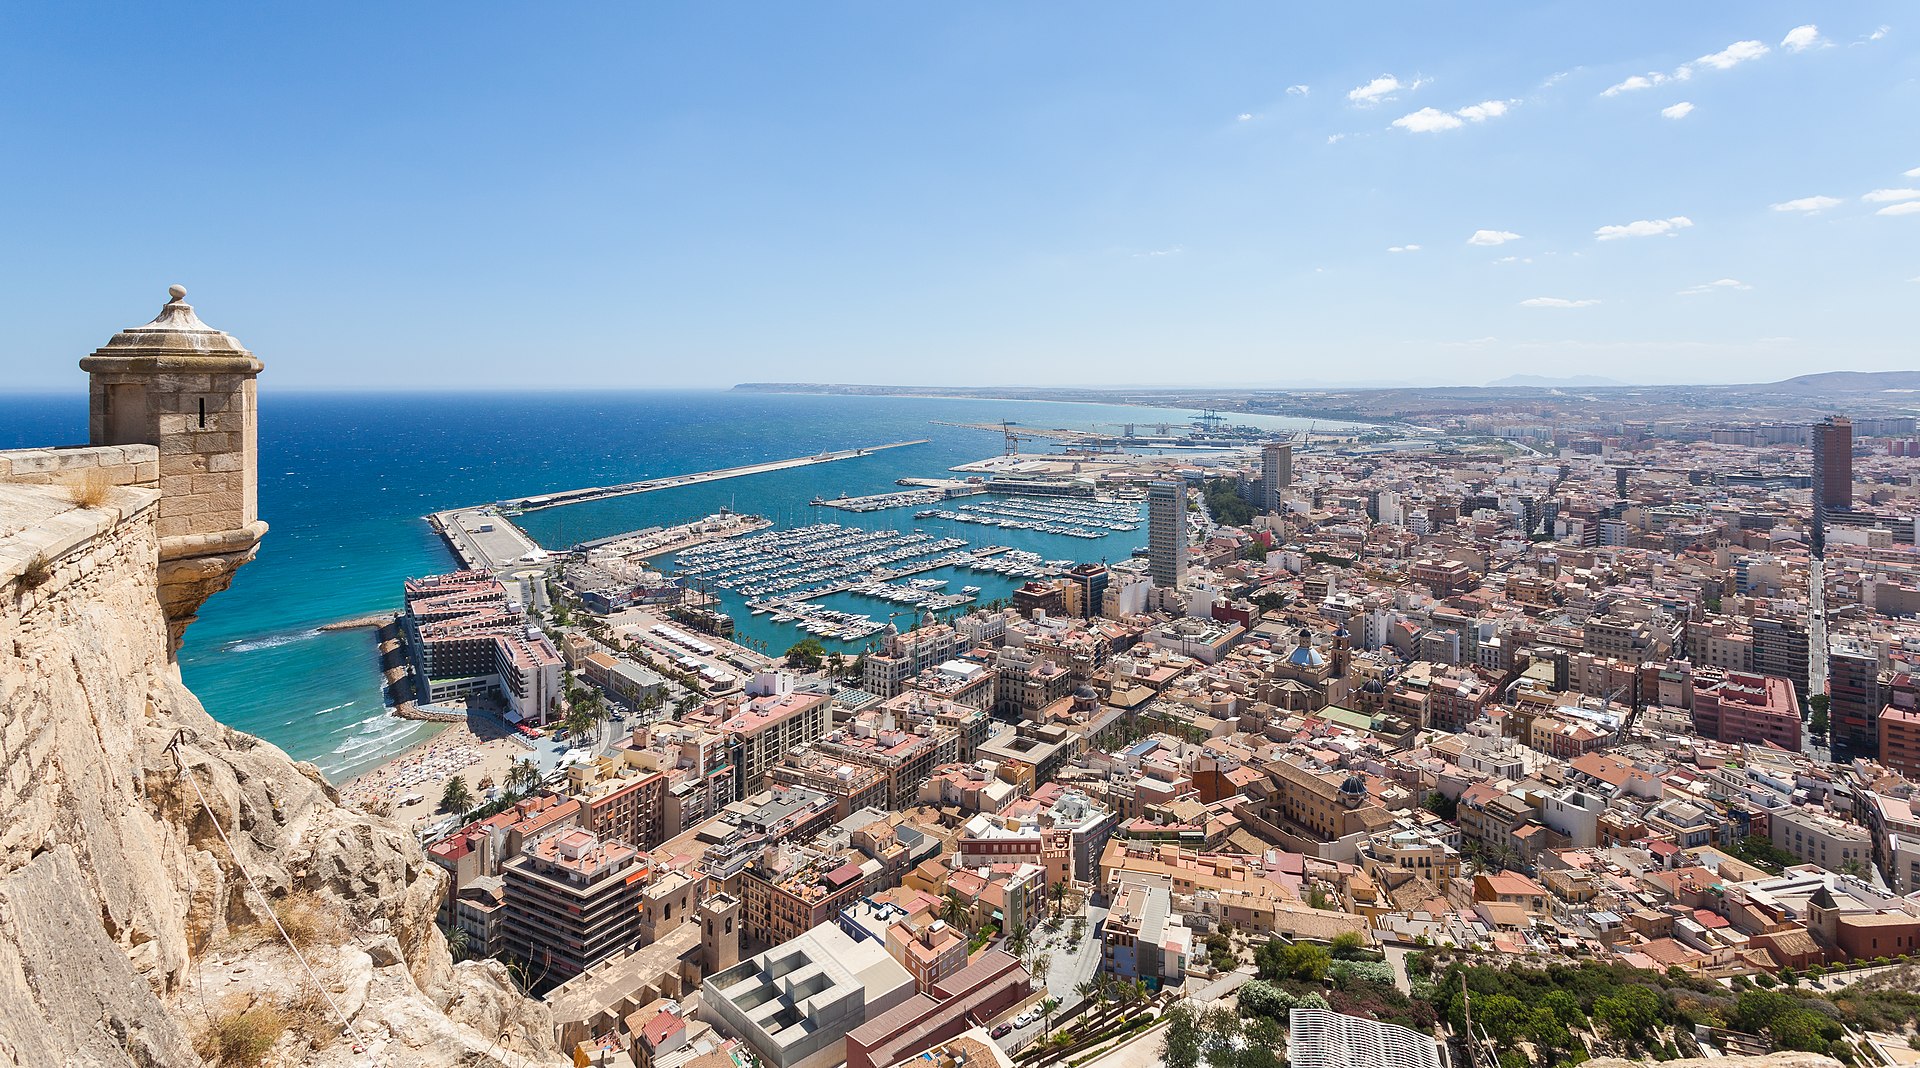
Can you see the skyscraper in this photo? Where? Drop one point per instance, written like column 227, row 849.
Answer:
column 1276, row 473
column 1832, row 473
column 1167, row 534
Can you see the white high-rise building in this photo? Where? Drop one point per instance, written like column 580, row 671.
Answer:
column 1167, row 534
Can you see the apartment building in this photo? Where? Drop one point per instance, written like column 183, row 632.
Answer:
column 571, row 900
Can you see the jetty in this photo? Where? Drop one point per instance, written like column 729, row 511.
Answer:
column 597, row 493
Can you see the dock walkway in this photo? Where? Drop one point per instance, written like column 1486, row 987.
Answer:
column 596, row 493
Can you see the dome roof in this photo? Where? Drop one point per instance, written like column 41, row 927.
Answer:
column 1354, row 786
column 176, row 340
column 1372, row 686
column 1305, row 656
column 175, row 331
column 1085, row 692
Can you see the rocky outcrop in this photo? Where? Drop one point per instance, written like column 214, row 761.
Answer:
column 128, row 932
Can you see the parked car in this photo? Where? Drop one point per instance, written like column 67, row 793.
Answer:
column 1027, row 1017
column 1002, row 1031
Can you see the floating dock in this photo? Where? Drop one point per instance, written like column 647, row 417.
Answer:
column 597, row 493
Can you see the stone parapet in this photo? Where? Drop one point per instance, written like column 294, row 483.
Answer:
column 122, row 465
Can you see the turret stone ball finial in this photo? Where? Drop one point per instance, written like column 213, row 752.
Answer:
column 177, row 291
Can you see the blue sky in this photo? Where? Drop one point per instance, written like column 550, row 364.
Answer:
column 418, row 195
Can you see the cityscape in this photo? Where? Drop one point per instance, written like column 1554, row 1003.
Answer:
column 980, row 538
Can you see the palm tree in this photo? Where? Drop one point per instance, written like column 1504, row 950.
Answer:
column 954, row 910
column 456, row 798
column 458, row 942
column 522, row 776
column 1046, row 1011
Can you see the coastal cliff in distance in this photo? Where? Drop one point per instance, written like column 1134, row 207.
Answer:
column 128, row 932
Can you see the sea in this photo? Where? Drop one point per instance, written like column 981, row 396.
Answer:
column 345, row 479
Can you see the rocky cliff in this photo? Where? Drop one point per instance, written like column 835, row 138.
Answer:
column 128, row 932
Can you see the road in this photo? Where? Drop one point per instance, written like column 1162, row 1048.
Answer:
column 1067, row 970
column 596, row 493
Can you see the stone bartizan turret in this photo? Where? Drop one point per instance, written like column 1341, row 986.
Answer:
column 188, row 389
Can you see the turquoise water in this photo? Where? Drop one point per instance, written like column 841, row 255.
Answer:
column 345, row 478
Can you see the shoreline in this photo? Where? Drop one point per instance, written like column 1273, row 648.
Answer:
column 424, row 769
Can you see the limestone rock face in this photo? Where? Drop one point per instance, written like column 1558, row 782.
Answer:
column 127, row 927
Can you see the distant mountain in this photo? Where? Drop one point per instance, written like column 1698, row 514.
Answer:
column 1544, row 382
column 1852, row 381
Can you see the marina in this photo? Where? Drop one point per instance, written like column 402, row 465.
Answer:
column 1071, row 517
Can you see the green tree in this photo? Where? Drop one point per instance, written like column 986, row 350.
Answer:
column 1502, row 1016
column 524, row 775
column 456, row 798
column 1276, row 960
column 1348, row 944
column 806, row 654
column 1441, row 805
column 1180, row 1047
column 1629, row 1014
column 1262, row 998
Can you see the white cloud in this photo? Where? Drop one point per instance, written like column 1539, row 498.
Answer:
column 1638, row 81
column 1556, row 302
column 1174, row 250
column 1334, row 139
column 1734, row 54
column 1298, row 90
column 1514, row 259
column 1807, row 204
column 1884, row 196
column 1717, row 284
column 1644, row 228
column 1879, row 33
column 1380, row 89
column 1678, row 111
column 1428, row 120
column 1908, row 207
column 1404, row 248
column 1801, row 38
column 1492, row 237
column 1245, row 116
column 1914, row 173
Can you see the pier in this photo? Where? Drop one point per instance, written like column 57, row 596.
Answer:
column 598, row 493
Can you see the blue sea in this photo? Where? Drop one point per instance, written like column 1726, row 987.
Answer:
column 345, row 479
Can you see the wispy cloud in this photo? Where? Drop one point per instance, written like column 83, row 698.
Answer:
column 1731, row 56
column 1245, row 116
column 1404, row 248
column 1905, row 207
column 1492, row 237
column 1879, row 33
column 1644, row 228
column 1556, row 302
column 1381, row 90
column 1172, row 250
column 1334, row 139
column 1636, row 82
column 1914, row 173
column 1714, row 286
column 1514, row 259
column 1298, row 90
column 1433, row 120
column 1801, row 38
column 1735, row 54
column 1888, row 196
column 1807, row 204
column 1678, row 111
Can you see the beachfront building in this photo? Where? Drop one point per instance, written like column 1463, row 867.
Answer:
column 466, row 637
column 905, row 656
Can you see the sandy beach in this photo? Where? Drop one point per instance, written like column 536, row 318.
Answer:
column 425, row 770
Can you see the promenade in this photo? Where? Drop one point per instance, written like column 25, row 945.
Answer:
column 596, row 493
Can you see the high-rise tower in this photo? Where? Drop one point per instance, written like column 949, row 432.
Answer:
column 1167, row 534
column 1276, row 473
column 188, row 389
column 1832, row 472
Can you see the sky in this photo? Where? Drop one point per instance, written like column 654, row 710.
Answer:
column 407, row 196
